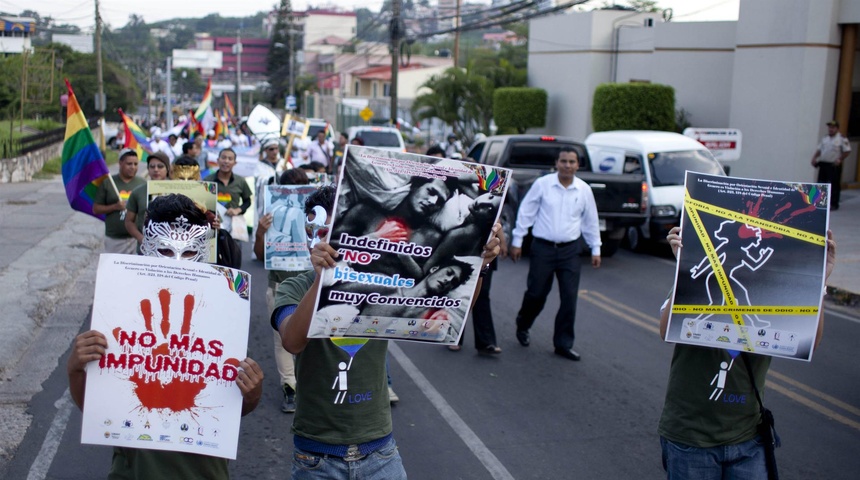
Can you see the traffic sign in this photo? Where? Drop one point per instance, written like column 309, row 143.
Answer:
column 366, row 114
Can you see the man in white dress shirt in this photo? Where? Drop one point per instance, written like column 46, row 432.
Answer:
column 560, row 208
column 320, row 151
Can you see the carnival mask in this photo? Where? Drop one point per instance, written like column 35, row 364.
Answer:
column 179, row 240
column 316, row 229
column 185, row 172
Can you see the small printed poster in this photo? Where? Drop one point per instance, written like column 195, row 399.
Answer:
column 410, row 230
column 286, row 241
column 176, row 331
column 204, row 194
column 750, row 276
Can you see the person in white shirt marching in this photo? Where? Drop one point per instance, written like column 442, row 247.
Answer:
column 560, row 208
column 320, row 151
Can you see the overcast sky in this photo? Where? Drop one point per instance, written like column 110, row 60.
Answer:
column 116, row 12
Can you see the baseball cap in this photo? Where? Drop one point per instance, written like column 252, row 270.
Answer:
column 833, row 123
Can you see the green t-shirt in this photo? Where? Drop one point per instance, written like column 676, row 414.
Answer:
column 105, row 195
column 134, row 463
column 236, row 194
column 341, row 386
column 710, row 400
column 137, row 204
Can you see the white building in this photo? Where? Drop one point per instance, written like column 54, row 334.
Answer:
column 778, row 74
column 15, row 34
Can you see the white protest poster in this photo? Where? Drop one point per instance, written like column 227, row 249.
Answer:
column 751, row 273
column 410, row 230
column 286, row 245
column 176, row 332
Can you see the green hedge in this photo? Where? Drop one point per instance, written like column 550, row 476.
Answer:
column 519, row 108
column 633, row 106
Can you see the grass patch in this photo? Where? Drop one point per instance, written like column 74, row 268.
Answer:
column 54, row 166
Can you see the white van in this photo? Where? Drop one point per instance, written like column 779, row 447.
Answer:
column 386, row 138
column 663, row 157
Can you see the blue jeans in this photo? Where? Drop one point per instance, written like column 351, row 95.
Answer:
column 742, row 461
column 383, row 464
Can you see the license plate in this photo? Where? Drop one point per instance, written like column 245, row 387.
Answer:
column 602, row 224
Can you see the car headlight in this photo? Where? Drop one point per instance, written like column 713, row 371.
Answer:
column 663, row 211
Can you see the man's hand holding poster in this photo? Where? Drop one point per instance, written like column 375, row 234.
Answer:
column 409, row 231
column 751, row 273
column 176, row 332
column 286, row 240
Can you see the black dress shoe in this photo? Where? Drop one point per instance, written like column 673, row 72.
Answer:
column 567, row 353
column 523, row 337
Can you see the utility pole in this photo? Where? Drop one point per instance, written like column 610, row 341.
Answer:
column 100, row 95
column 395, row 57
column 169, row 95
column 291, row 34
column 457, row 36
column 237, row 49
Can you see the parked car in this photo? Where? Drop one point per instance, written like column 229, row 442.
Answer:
column 114, row 134
column 618, row 194
column 386, row 138
column 662, row 157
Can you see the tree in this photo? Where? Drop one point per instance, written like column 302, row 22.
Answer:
column 520, row 108
column 459, row 98
column 278, row 61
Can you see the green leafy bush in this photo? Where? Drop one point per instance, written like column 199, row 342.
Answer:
column 633, row 106
column 519, row 108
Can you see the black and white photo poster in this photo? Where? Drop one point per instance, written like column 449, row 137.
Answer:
column 750, row 275
column 410, row 230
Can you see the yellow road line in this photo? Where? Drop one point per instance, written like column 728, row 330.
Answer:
column 814, row 406
column 620, row 314
column 827, row 398
column 601, row 301
column 649, row 318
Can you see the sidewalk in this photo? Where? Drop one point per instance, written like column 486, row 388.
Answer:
column 845, row 223
column 48, row 255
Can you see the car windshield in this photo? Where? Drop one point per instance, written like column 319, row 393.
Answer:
column 379, row 139
column 314, row 129
column 667, row 168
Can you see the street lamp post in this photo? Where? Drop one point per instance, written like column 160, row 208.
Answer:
column 237, row 49
column 182, row 91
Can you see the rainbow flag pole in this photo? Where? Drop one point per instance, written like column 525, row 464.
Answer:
column 83, row 166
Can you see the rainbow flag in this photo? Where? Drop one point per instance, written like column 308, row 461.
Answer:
column 83, row 166
column 219, row 125
column 204, row 104
column 135, row 137
column 228, row 108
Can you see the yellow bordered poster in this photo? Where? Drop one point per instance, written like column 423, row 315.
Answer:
column 751, row 273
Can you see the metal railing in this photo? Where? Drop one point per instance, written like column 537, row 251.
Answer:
column 13, row 147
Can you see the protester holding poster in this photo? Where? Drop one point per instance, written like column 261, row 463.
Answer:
column 180, row 384
column 411, row 230
column 711, row 404
column 343, row 420
column 285, row 254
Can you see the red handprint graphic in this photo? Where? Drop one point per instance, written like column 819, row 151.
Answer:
column 171, row 374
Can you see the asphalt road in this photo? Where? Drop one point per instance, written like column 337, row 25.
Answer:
column 525, row 414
